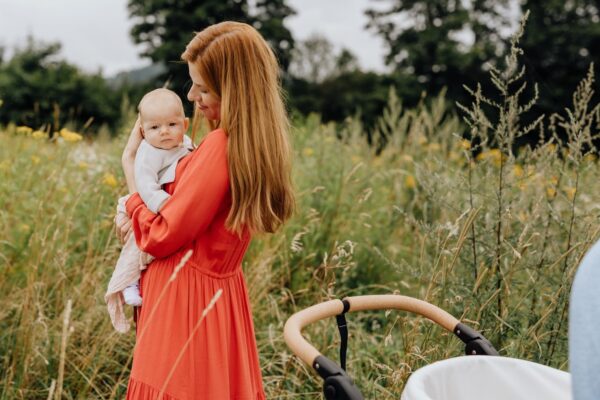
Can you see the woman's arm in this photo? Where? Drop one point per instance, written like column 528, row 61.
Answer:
column 128, row 157
column 199, row 193
column 122, row 222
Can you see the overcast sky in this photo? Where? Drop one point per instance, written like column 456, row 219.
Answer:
column 95, row 33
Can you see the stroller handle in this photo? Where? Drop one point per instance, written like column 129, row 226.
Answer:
column 307, row 353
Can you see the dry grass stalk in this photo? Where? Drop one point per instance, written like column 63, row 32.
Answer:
column 63, row 349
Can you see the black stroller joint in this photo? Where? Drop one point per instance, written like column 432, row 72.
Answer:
column 476, row 343
column 337, row 384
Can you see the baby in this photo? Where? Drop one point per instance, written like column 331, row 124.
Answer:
column 163, row 126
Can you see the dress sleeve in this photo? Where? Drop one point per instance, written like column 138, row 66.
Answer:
column 197, row 197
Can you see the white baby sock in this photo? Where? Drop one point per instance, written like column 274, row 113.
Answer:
column 131, row 294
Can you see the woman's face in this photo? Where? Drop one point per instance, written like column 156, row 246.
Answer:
column 207, row 101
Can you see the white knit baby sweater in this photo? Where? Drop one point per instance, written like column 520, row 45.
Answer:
column 153, row 168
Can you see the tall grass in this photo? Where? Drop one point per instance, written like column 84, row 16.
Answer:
column 487, row 230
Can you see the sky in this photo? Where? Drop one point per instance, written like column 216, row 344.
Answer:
column 95, row 33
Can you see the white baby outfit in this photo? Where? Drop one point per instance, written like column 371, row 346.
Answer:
column 153, row 168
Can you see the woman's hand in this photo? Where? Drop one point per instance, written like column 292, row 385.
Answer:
column 122, row 227
column 128, row 158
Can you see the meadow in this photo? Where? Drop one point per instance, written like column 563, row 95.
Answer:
column 489, row 229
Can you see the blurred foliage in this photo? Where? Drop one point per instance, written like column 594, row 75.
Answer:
column 315, row 60
column 359, row 93
column 428, row 41
column 165, row 27
column 40, row 90
column 448, row 43
column 561, row 40
column 432, row 46
column 445, row 44
column 332, row 84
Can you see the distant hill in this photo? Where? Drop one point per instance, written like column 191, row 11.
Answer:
column 136, row 76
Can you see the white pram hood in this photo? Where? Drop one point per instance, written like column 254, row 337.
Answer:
column 487, row 378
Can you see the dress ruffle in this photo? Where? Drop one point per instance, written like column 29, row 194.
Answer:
column 220, row 362
column 141, row 391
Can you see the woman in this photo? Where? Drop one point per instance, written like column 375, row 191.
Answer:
column 236, row 183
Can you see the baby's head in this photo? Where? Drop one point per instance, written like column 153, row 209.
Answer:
column 163, row 119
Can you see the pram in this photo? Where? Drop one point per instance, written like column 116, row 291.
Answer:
column 482, row 374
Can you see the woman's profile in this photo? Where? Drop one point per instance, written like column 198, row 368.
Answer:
column 235, row 184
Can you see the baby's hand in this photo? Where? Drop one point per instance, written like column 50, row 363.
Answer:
column 145, row 259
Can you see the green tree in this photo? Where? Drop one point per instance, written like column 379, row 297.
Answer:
column 41, row 90
column 313, row 59
column 428, row 41
column 561, row 39
column 164, row 27
column 269, row 17
column 332, row 84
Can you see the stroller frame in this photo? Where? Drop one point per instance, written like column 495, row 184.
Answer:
column 337, row 384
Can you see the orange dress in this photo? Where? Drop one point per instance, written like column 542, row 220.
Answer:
column 221, row 360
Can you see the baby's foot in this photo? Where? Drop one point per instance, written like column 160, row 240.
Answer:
column 131, row 294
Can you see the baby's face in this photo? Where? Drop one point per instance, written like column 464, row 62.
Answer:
column 163, row 123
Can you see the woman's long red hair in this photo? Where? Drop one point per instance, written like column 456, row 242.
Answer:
column 237, row 65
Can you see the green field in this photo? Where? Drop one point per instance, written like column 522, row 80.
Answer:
column 488, row 230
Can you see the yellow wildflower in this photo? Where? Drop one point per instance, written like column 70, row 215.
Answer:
column 570, row 192
column 308, row 151
column 590, row 157
column 553, row 180
column 522, row 185
column 35, row 160
column 109, row 180
column 465, row 144
column 551, row 192
column 410, row 182
column 433, row 146
column 456, row 157
column 70, row 136
column 551, row 148
column 39, row 135
column 24, row 228
column 493, row 155
column 24, row 130
column 518, row 171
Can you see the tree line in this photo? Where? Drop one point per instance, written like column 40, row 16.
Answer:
column 430, row 46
